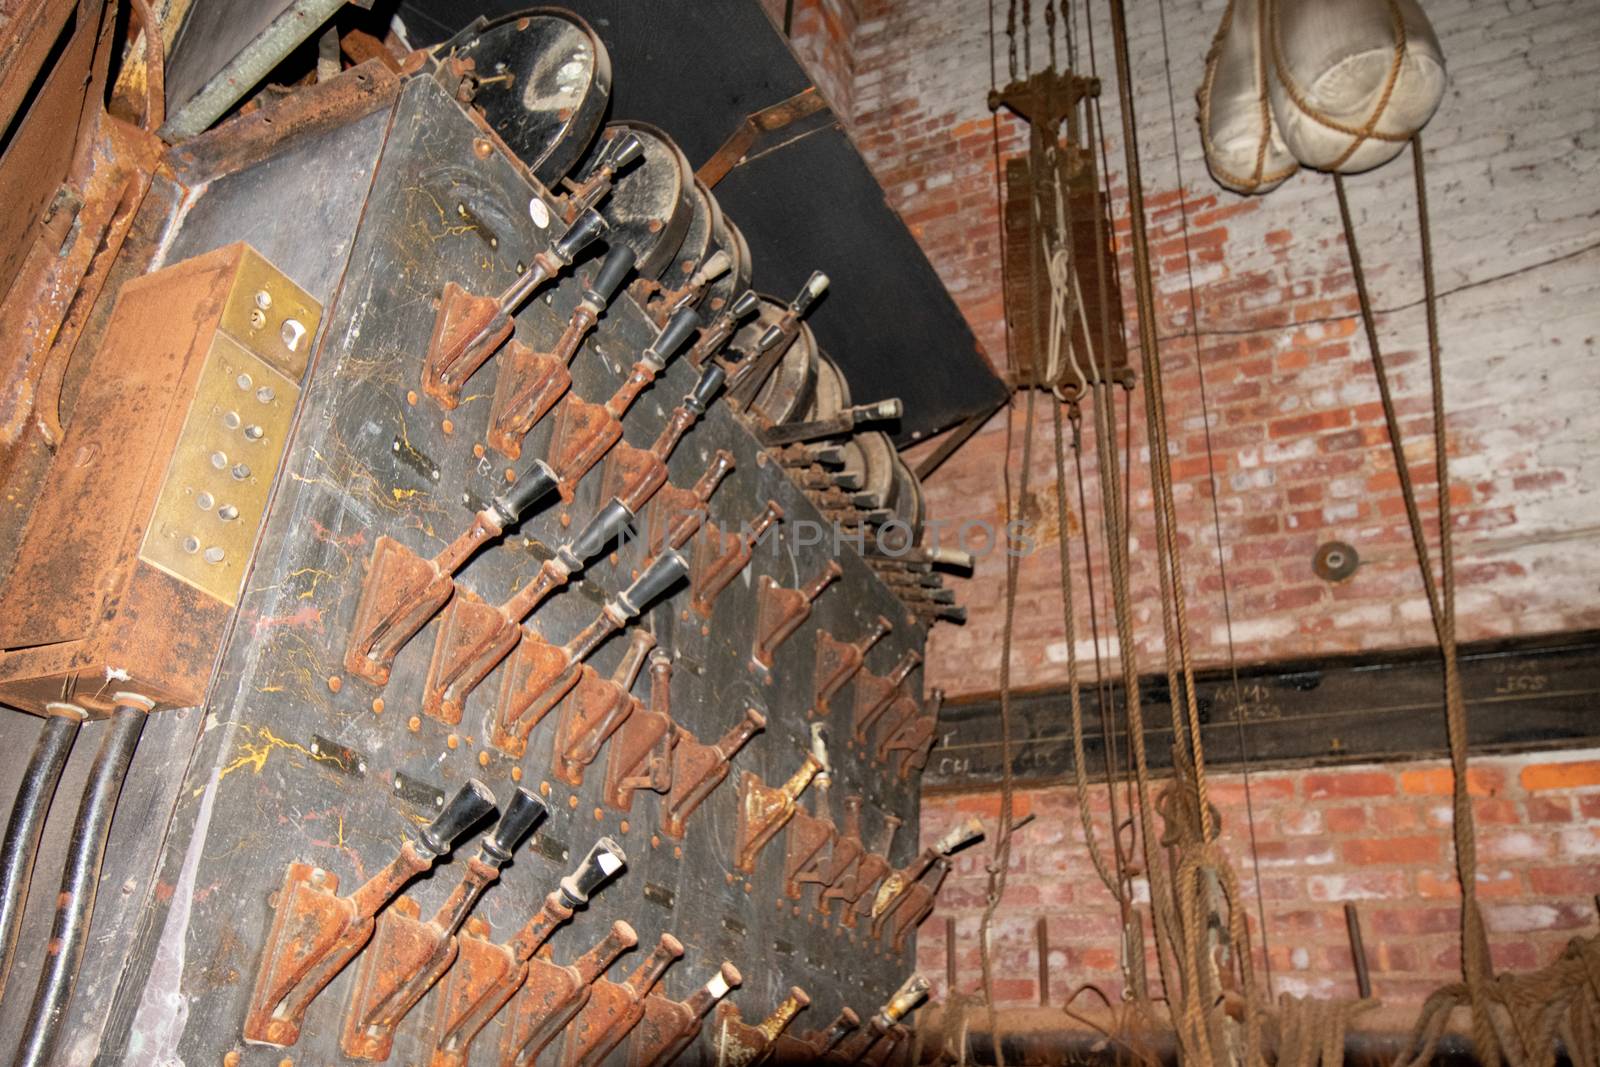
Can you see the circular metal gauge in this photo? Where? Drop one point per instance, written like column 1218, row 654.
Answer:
column 542, row 81
column 651, row 206
column 729, row 239
column 877, row 485
column 907, row 501
column 698, row 241
column 832, row 394
column 788, row 388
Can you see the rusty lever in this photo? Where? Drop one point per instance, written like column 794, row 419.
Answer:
column 529, row 382
column 780, row 611
column 540, row 674
column 615, row 1008
column 474, row 636
column 585, row 432
column 763, row 810
column 697, row 769
column 487, row 975
column 469, row 328
column 407, row 956
column 402, row 591
column 668, row 1026
column 315, row 932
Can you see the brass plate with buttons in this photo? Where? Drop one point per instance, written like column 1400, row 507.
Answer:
column 215, row 492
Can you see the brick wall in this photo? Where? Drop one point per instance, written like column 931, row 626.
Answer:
column 1295, row 425
column 1377, row 836
column 1299, row 459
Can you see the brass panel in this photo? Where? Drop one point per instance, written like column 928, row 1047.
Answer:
column 270, row 315
column 214, row 495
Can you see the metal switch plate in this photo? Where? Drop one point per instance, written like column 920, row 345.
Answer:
column 215, row 492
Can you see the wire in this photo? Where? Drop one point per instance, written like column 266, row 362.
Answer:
column 1211, row 477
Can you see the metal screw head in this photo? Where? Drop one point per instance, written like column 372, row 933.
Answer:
column 263, row 299
column 214, row 554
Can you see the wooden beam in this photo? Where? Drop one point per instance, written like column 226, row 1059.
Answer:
column 1523, row 694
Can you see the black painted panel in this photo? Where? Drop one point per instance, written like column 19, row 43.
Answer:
column 696, row 68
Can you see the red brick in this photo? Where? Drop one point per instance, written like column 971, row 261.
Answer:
column 1549, row 809
column 1324, row 785
column 1345, row 820
column 1575, row 881
column 1574, row 775
column 1363, row 852
column 1440, row 781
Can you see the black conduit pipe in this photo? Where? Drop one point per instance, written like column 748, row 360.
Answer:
column 28, row 814
column 75, row 902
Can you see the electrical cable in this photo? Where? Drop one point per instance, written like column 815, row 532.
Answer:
column 79, row 881
column 28, row 814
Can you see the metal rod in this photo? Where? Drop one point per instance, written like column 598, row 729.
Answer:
column 28, row 812
column 949, row 956
column 1358, row 951
column 1041, row 934
column 75, row 902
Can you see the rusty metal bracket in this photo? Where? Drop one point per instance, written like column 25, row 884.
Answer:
column 641, row 750
column 774, row 117
column 595, row 709
column 615, row 1008
column 529, row 383
column 815, row 1046
column 763, row 810
column 315, row 932
column 807, row 836
column 552, row 995
column 872, row 866
column 838, row 661
column 487, row 975
column 667, row 1027
column 697, row 769
column 739, row 1044
column 780, row 611
column 874, row 693
column 720, row 556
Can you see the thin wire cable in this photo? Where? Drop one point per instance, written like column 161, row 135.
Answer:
column 1211, row 476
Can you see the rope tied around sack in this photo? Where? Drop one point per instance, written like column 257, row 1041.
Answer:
column 1367, row 131
column 1257, row 178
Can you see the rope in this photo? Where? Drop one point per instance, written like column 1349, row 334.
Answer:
column 1367, row 130
column 1002, row 849
column 1256, row 178
column 1211, row 479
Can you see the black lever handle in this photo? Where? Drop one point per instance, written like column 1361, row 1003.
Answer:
column 657, row 578
column 520, row 816
column 605, row 859
column 683, row 322
column 607, row 523
column 706, row 389
column 613, row 270
column 531, row 486
column 579, row 235
column 472, row 802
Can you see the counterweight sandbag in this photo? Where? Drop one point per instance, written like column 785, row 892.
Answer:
column 1244, row 149
column 1351, row 80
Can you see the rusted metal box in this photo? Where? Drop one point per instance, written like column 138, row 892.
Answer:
column 146, row 522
